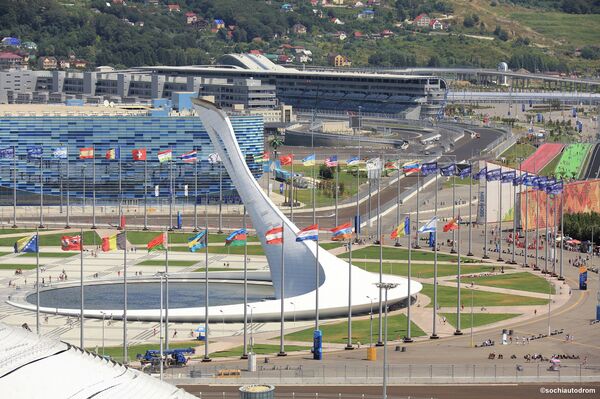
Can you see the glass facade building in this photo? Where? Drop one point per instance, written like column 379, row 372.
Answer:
column 181, row 134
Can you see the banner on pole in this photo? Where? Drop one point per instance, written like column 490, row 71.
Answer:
column 185, row 190
column 156, row 191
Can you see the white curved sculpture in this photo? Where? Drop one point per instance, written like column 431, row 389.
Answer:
column 300, row 257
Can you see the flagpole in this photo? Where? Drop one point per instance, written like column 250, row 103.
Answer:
column 93, row 187
column 435, row 268
column 167, row 292
column 282, row 320
column 68, row 192
column 547, row 228
column 82, row 306
column 245, row 351
column 357, row 223
column 146, row 192
column 41, row 192
column 485, row 218
column 37, row 282
column 206, row 358
column 408, row 338
column 526, row 227
column 513, row 262
column 317, row 283
column 469, row 253
column 196, row 193
column 398, row 204
column 500, row 182
column 349, row 344
column 170, row 224
column 562, row 234
column 537, row 227
column 554, row 238
column 14, row 187
column 220, row 197
column 417, row 246
column 312, row 149
column 458, row 331
column 453, row 251
column 337, row 186
column 120, row 189
column 292, row 192
column 125, row 349
column 268, row 173
column 380, row 335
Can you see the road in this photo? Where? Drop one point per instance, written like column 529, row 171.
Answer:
column 593, row 170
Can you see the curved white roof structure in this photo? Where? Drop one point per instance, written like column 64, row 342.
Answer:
column 36, row 367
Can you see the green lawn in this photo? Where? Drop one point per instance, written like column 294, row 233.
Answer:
column 13, row 266
column 372, row 252
column 217, row 269
column 447, row 297
column 549, row 169
column 421, row 270
column 66, row 254
column 143, row 237
column 515, row 152
column 14, row 231
column 458, row 181
column 252, row 250
column 338, row 332
column 479, row 319
column 116, row 352
column 259, row 349
column 5, row 253
column 576, row 29
column 157, row 262
column 90, row 238
column 330, row 245
column 572, row 160
column 516, row 281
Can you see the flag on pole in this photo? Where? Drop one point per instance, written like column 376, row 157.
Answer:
column 60, row 153
column 158, row 243
column 451, row 225
column 7, row 152
column 113, row 153
column 448, row 170
column 86, row 153
column 274, row 236
column 556, row 188
column 403, row 229
column 429, row 227
column 518, row 180
column 390, row 165
column 116, row 241
column 190, row 157
column 331, row 162
column 508, row 177
column 197, row 242
column 493, row 175
column 342, row 232
column 262, row 158
column 310, row 233
column 214, row 158
column 165, row 156
column 237, row 238
column 27, row 244
column 353, row 161
column 70, row 243
column 429, row 168
column 286, row 159
column 462, row 170
column 412, row 166
column 310, row 160
column 480, row 174
column 139, row 154
column 35, row 151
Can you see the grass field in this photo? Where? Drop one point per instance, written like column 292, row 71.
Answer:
column 421, row 270
column 15, row 231
column 338, row 332
column 53, row 240
column 67, row 254
column 578, row 30
column 447, row 297
column 516, row 281
column 549, row 169
column 5, row 253
column 259, row 349
column 572, row 160
column 14, row 266
column 479, row 319
column 143, row 237
column 372, row 252
column 515, row 152
column 458, row 181
column 216, row 269
column 252, row 250
column 116, row 352
column 330, row 245
column 156, row 262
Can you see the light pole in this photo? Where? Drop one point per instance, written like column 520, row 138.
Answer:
column 251, row 329
column 223, row 320
column 103, row 317
column 162, row 275
column 386, row 287
column 294, row 311
column 370, row 323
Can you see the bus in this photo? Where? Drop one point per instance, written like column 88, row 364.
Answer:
column 425, row 140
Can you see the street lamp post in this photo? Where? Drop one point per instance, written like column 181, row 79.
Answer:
column 370, row 323
column 103, row 318
column 386, row 287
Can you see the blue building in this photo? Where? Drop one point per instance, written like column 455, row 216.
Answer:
column 181, row 134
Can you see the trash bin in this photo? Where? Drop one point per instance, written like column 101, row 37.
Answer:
column 257, row 392
column 251, row 362
column 372, row 354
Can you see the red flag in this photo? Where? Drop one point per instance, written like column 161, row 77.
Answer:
column 70, row 243
column 139, row 154
column 286, row 159
column 86, row 153
column 274, row 236
column 451, row 225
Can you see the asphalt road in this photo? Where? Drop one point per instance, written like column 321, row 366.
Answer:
column 593, row 170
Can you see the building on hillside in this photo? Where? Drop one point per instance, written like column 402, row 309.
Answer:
column 48, row 63
column 338, row 60
column 191, row 18
column 64, row 64
column 11, row 41
column 29, row 45
column 287, row 7
column 9, row 60
column 303, row 56
column 173, row 7
column 340, row 35
column 79, row 64
column 435, row 24
column 366, row 14
column 422, row 21
column 299, row 29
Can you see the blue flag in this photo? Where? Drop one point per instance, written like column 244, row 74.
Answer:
column 540, row 182
column 493, row 175
column 60, row 153
column 34, row 151
column 448, row 170
column 480, row 174
column 429, row 168
column 462, row 170
column 555, row 188
column 27, row 244
column 7, row 152
column 198, row 241
column 529, row 180
column 518, row 180
column 507, row 177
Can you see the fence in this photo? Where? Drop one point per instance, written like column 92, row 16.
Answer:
column 397, row 374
